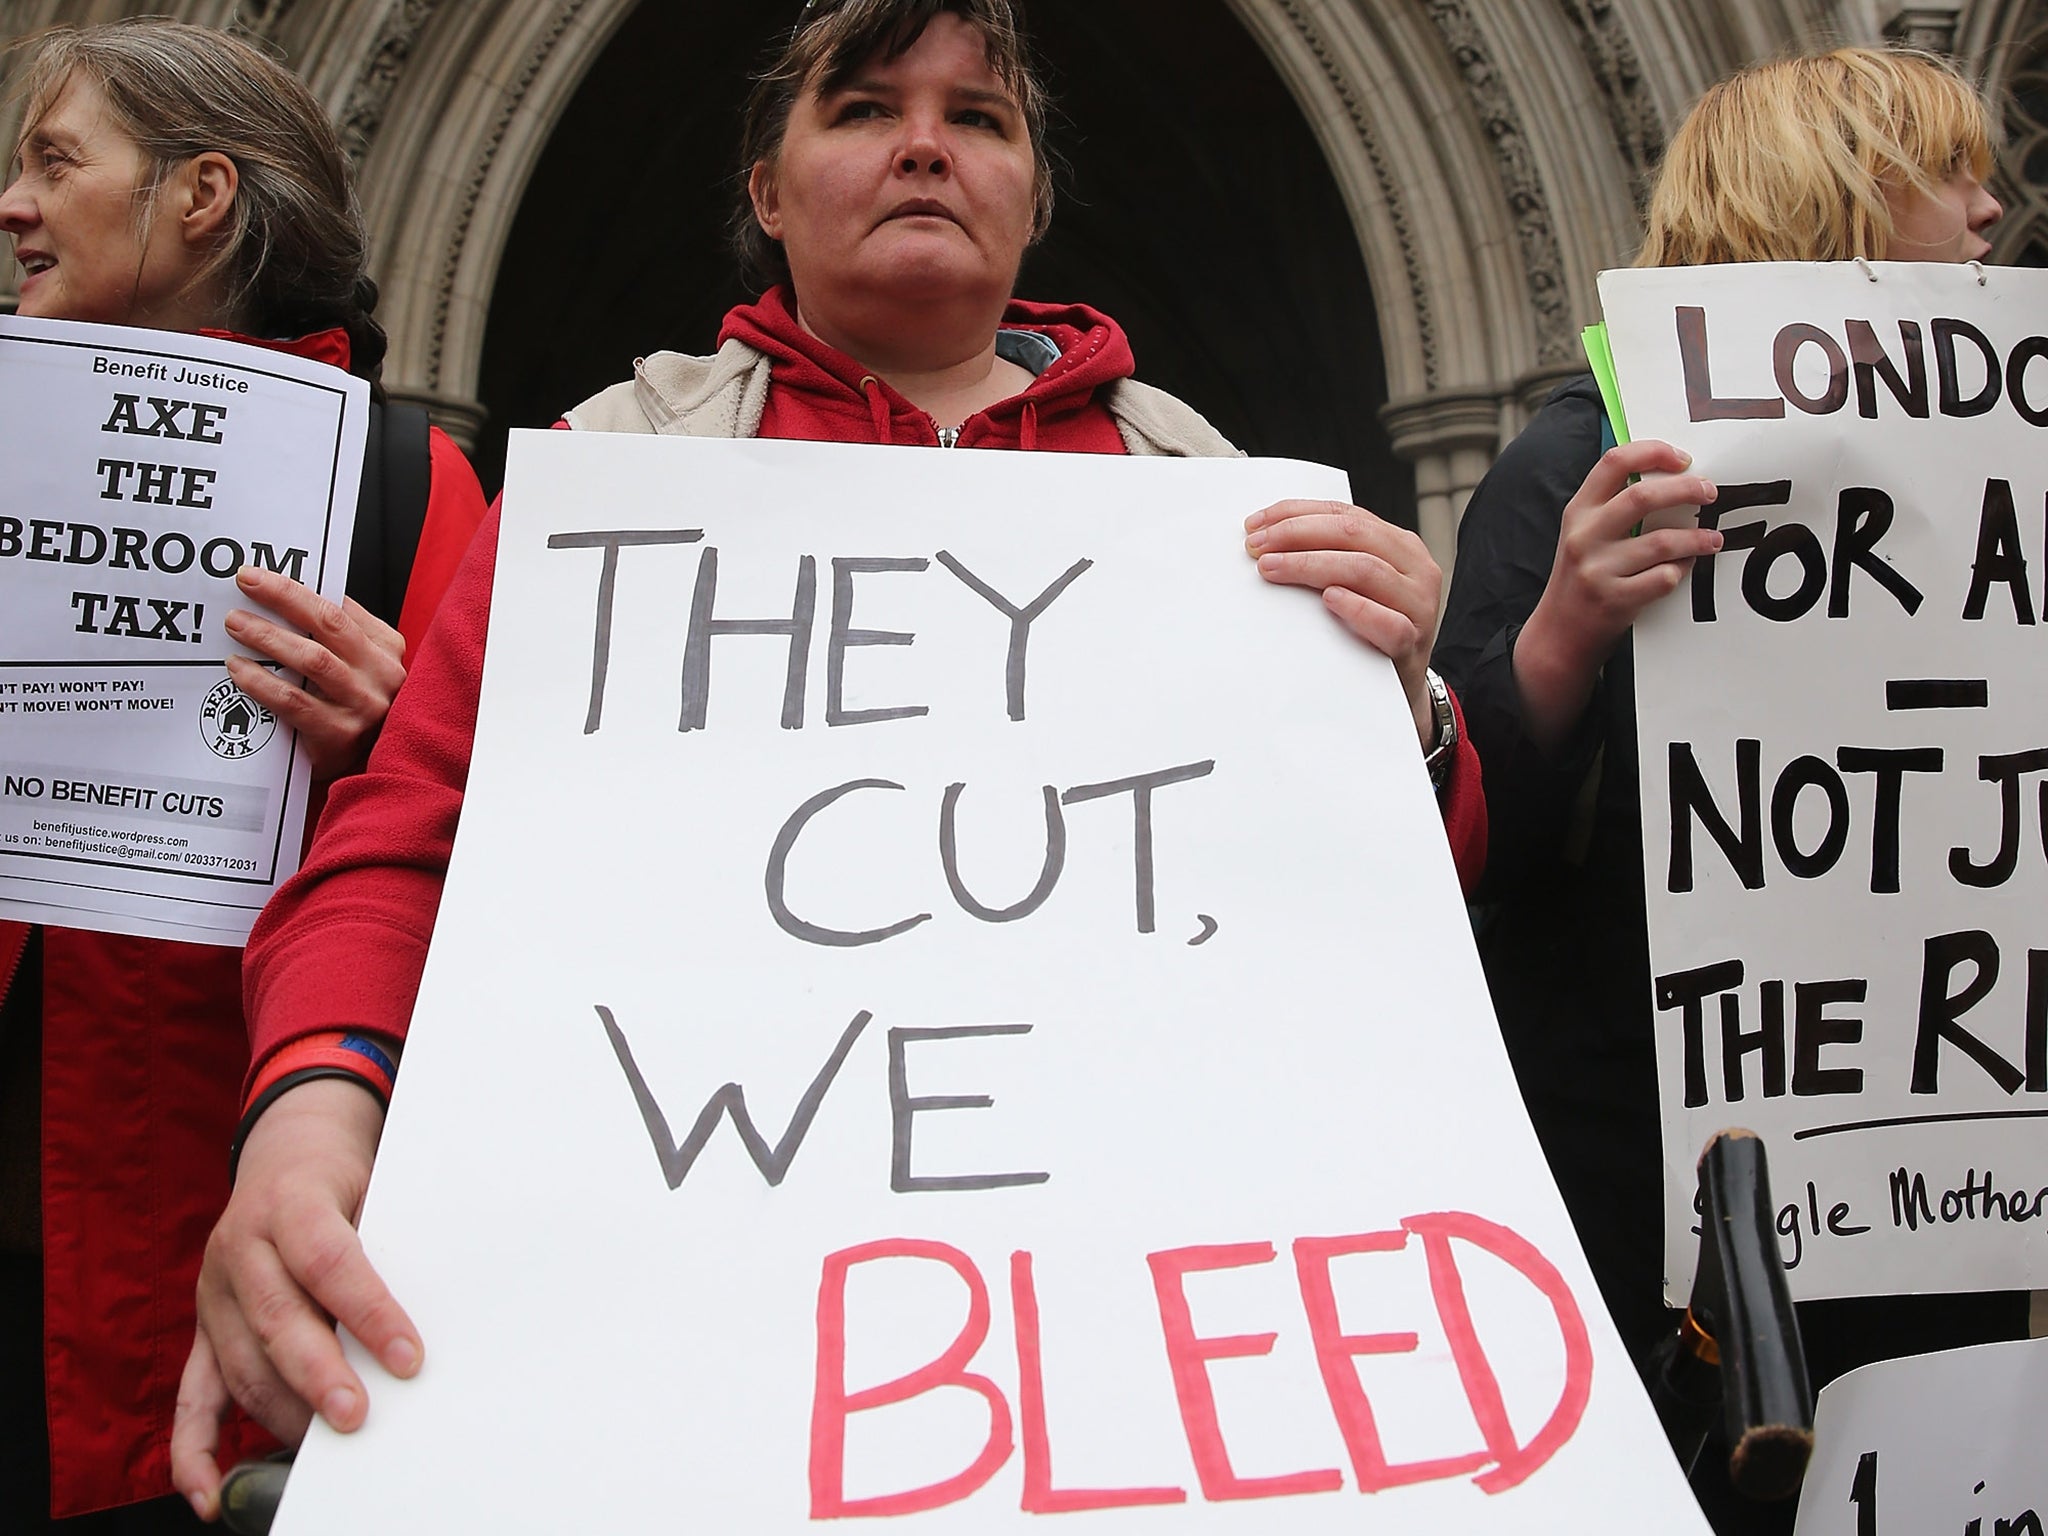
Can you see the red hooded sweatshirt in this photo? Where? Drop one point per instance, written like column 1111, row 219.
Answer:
column 819, row 394
column 342, row 945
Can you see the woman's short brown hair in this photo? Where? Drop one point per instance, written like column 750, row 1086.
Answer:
column 1792, row 160
column 831, row 43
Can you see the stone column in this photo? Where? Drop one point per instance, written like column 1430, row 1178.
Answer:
column 1929, row 24
column 1451, row 438
column 461, row 418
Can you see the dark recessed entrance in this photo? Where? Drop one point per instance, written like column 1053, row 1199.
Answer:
column 1196, row 208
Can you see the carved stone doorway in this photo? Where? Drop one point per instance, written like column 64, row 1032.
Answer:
column 1198, row 209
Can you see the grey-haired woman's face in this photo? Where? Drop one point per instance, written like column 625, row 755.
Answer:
column 74, row 210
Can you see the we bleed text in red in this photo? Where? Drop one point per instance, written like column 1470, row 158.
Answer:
column 1498, row 1463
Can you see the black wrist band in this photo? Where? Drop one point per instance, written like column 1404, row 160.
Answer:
column 278, row 1089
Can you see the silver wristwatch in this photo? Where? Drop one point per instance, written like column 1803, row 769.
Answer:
column 1444, row 746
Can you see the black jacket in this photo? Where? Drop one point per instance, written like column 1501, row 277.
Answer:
column 1562, row 925
column 1562, row 929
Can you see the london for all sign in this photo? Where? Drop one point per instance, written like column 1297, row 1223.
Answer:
column 1844, row 725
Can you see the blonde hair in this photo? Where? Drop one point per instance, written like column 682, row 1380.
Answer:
column 1794, row 160
column 293, row 257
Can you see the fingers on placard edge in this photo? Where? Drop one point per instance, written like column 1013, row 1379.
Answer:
column 1387, row 630
column 1371, row 577
column 296, row 1342
column 1634, row 505
column 202, row 1404
column 335, row 1270
column 372, row 626
column 330, row 624
column 1618, row 466
column 256, row 1388
column 291, row 600
column 1298, row 507
column 1322, row 566
column 1346, row 528
column 331, row 677
column 1648, row 456
column 289, row 704
column 335, row 627
column 287, row 647
column 1663, row 546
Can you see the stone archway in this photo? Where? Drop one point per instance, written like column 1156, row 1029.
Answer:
column 1217, row 237
column 1486, row 154
column 2007, row 44
column 1457, row 134
column 1454, row 169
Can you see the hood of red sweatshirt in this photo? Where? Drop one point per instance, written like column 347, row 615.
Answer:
column 820, row 393
column 329, row 346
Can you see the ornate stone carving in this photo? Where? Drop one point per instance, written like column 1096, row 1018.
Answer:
column 1390, row 189
column 261, row 18
column 459, row 416
column 1515, row 158
column 509, row 103
column 2022, row 178
column 1443, row 422
column 1929, row 25
column 1611, row 55
column 370, row 97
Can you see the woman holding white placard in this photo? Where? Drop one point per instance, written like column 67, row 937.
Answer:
column 1857, row 153
column 173, row 178
column 895, row 174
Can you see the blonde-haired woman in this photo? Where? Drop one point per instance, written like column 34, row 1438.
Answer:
column 1859, row 152
column 173, row 177
column 1878, row 153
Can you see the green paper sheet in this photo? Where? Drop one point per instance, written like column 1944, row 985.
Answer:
column 1601, row 356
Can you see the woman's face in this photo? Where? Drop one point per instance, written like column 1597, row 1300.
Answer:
column 1948, row 225
column 914, row 181
column 74, row 210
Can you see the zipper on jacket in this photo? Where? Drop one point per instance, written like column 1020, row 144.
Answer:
column 14, row 970
column 949, row 437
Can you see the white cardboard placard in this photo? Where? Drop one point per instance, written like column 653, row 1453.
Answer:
column 1844, row 728
column 1088, row 1158
column 1949, row 1442
column 140, row 790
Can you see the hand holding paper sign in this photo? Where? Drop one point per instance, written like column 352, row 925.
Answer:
column 1379, row 579
column 1135, row 1322
column 351, row 660
column 1604, row 577
column 285, row 1259
column 1850, row 662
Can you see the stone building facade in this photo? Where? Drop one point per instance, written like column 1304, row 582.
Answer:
column 1481, row 159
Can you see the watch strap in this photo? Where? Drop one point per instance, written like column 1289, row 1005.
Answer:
column 1443, row 751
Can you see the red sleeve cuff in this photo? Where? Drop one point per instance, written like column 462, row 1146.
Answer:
column 1462, row 800
column 373, row 1060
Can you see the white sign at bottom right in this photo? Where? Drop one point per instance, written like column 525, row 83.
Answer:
column 1933, row 1445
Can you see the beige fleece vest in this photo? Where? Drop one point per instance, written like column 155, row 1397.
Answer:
column 677, row 395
